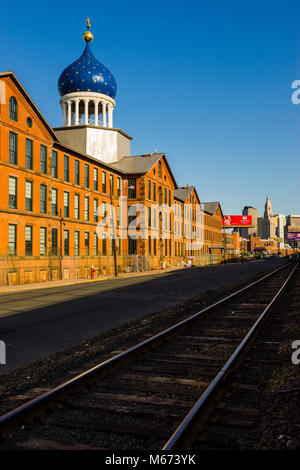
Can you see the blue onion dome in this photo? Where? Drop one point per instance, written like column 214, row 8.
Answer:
column 87, row 74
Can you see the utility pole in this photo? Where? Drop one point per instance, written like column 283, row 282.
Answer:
column 114, row 230
column 61, row 242
column 225, row 245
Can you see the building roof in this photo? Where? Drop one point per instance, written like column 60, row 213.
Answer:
column 141, row 164
column 137, row 164
column 183, row 193
column 65, row 147
column 87, row 74
column 11, row 74
column 211, row 207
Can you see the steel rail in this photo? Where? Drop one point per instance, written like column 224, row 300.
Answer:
column 37, row 405
column 201, row 411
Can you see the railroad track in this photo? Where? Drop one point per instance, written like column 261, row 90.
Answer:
column 159, row 394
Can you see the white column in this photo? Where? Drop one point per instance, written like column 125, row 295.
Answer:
column 110, row 117
column 76, row 111
column 86, row 111
column 96, row 102
column 103, row 113
column 69, row 112
column 64, row 109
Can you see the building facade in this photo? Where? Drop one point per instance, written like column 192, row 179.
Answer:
column 73, row 198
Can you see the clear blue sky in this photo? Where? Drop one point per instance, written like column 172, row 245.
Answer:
column 208, row 83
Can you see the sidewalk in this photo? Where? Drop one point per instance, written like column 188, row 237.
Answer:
column 69, row 282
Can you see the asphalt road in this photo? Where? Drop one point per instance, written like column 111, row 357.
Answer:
column 36, row 323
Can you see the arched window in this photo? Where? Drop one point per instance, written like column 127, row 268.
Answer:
column 159, row 169
column 13, row 108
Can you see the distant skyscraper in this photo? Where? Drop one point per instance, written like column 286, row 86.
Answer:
column 281, row 221
column 269, row 221
column 247, row 232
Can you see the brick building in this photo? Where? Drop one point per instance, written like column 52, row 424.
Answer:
column 73, row 197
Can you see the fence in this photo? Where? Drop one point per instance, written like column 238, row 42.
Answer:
column 23, row 270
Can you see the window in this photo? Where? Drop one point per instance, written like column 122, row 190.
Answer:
column 43, row 238
column 103, row 181
column 76, row 243
column 86, row 176
column 154, row 246
column 118, row 215
column 103, row 209
column 131, row 246
column 66, row 243
column 28, row 195
column 149, row 216
column 29, row 122
column 119, row 245
column 29, row 154
column 12, row 192
column 131, row 188
column 77, row 206
column 13, row 148
column 28, row 240
column 103, row 244
column 54, row 241
column 13, row 108
column 66, row 204
column 149, row 245
column 54, row 164
column 159, row 169
column 169, row 198
column 87, row 243
column 111, row 215
column 43, row 198
column 86, row 208
column 165, row 195
column 66, row 168
column 12, row 239
column 166, row 246
column 118, row 186
column 154, row 191
column 170, row 247
column 77, row 172
column 132, row 214
column 95, row 244
column 43, row 159
column 149, row 189
column 54, row 202
column 160, row 195
column 95, row 210
column 95, row 179
column 111, row 184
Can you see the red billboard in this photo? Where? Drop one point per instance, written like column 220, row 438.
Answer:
column 230, row 221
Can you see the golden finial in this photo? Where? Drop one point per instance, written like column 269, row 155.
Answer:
column 87, row 36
